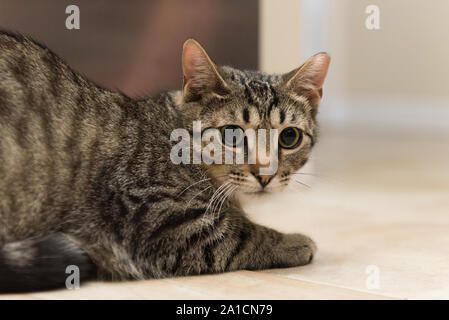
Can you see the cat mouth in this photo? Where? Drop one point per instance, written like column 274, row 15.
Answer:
column 258, row 192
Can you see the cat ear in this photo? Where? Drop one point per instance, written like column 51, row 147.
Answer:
column 308, row 79
column 200, row 74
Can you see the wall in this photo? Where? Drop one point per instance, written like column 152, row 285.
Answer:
column 395, row 76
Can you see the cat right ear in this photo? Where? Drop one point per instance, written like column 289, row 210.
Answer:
column 308, row 79
column 200, row 74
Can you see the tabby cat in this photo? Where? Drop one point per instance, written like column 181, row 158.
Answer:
column 86, row 177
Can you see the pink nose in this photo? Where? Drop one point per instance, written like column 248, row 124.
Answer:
column 263, row 179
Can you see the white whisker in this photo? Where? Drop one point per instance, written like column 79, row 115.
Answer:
column 215, row 194
column 230, row 191
column 193, row 184
column 302, row 183
column 197, row 194
column 220, row 197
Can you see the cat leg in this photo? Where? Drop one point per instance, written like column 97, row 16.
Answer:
column 235, row 244
column 255, row 247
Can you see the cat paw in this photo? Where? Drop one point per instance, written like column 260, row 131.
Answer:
column 297, row 250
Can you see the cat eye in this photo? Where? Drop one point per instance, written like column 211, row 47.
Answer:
column 232, row 136
column 290, row 138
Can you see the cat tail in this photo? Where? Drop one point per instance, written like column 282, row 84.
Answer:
column 43, row 263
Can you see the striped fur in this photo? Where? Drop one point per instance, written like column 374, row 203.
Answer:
column 85, row 175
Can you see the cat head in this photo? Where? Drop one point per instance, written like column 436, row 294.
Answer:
column 234, row 102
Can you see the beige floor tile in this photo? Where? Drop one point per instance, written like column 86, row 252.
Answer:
column 235, row 285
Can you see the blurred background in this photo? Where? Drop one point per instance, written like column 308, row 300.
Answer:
column 136, row 46
column 379, row 177
column 399, row 68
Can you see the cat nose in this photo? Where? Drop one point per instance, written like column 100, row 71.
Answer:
column 263, row 179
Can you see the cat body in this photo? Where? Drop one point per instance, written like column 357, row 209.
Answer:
column 86, row 177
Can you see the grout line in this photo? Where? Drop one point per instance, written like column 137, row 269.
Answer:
column 337, row 286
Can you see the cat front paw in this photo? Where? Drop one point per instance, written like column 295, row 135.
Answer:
column 297, row 250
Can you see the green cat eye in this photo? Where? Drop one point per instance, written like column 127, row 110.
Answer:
column 232, row 135
column 290, row 138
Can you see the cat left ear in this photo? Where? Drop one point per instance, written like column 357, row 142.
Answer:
column 200, row 74
column 308, row 79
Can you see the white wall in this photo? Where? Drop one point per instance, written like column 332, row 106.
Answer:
column 395, row 76
column 279, row 35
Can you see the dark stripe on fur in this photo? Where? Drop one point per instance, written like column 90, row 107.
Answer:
column 246, row 115
column 243, row 237
column 282, row 116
